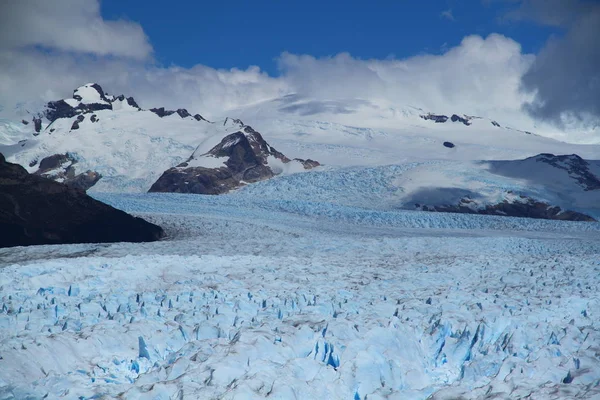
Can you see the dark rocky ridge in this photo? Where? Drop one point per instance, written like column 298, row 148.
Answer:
column 245, row 155
column 550, row 168
column 577, row 168
column 61, row 109
column 61, row 167
column 465, row 119
column 526, row 208
column 36, row 210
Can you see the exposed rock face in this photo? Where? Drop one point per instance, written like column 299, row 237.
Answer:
column 526, row 208
column 161, row 112
column 61, row 168
column 37, row 123
column 465, row 120
column 129, row 100
column 241, row 157
column 90, row 98
column 551, row 169
column 36, row 210
column 440, row 119
column 577, row 168
column 59, row 109
column 308, row 163
column 182, row 112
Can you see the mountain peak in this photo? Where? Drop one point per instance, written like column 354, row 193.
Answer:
column 90, row 93
column 240, row 158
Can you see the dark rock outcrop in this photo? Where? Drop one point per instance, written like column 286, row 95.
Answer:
column 577, row 168
column 161, row 112
column 526, row 207
column 35, row 210
column 37, row 123
column 465, row 120
column 24, row 122
column 308, row 163
column 130, row 100
column 183, row 113
column 59, row 109
column 68, row 109
column 549, row 167
column 61, row 168
column 449, row 145
column 75, row 125
column 245, row 157
column 440, row 119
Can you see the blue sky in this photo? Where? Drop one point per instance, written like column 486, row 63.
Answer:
column 227, row 34
column 538, row 57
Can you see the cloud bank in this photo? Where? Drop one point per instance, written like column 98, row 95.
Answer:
column 49, row 48
column 565, row 76
column 69, row 25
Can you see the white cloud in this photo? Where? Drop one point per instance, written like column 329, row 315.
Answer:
column 479, row 76
column 475, row 77
column 448, row 15
column 69, row 25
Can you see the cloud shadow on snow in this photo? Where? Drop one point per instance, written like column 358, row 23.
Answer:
column 314, row 107
column 439, row 196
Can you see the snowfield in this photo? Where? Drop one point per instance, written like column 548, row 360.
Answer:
column 292, row 297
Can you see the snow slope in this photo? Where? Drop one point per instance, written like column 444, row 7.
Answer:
column 264, row 298
column 438, row 182
column 131, row 148
column 371, row 132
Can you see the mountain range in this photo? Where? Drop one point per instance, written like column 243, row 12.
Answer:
column 452, row 162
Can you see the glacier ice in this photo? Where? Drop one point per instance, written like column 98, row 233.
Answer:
column 253, row 298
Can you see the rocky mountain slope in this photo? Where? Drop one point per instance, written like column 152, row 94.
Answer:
column 109, row 143
column 36, row 210
column 240, row 158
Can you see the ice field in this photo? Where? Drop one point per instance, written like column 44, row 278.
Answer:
column 269, row 297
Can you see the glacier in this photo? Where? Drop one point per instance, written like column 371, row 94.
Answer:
column 288, row 296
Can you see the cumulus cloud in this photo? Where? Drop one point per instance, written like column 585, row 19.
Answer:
column 69, row 25
column 30, row 76
column 47, row 50
column 565, row 77
column 479, row 75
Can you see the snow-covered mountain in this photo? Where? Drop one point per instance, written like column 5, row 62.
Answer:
column 332, row 283
column 111, row 138
column 110, row 144
column 240, row 158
